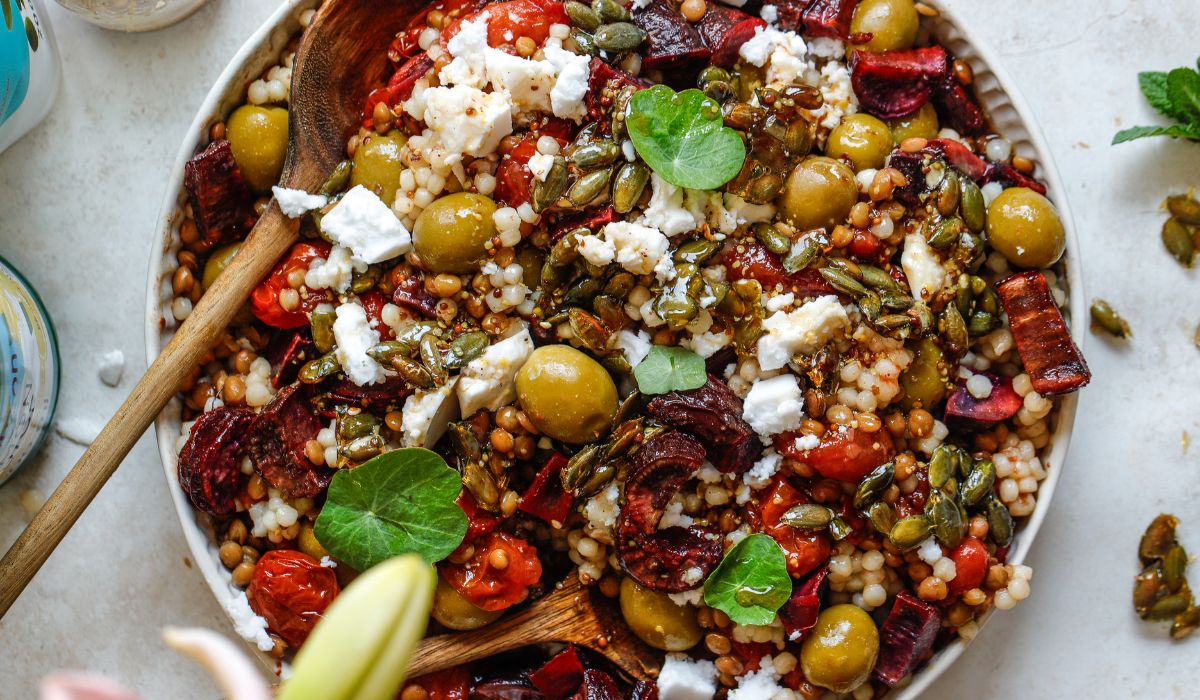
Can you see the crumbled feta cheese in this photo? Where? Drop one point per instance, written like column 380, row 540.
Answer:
column 489, row 381
column 362, row 222
column 807, row 442
column 601, row 510
column 596, row 250
column 759, row 476
column 640, row 4
column 922, row 267
column 709, row 474
column 683, row 678
column 672, row 210
column 774, row 405
column 247, row 623
column 427, row 414
column 528, row 83
column 707, row 344
column 635, row 346
column 673, row 516
column 467, row 120
column 540, row 164
column 111, row 367
column 838, row 93
column 728, row 211
column 692, row 575
column 469, row 48
column 782, row 301
column 824, row 46
column 354, row 335
column 761, row 684
column 786, row 52
column 566, row 99
column 297, row 203
column 929, row 551
column 335, row 272
column 769, row 13
column 805, row 330
column 692, row 597
column 327, row 562
column 640, row 249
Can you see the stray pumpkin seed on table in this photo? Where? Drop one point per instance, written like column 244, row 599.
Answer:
column 1108, row 320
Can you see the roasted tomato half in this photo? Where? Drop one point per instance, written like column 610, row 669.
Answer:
column 846, row 454
column 264, row 302
column 513, row 178
column 488, row 584
column 805, row 549
column 291, row 591
column 509, row 21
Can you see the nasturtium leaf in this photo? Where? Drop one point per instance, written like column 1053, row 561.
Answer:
column 668, row 369
column 399, row 502
column 683, row 138
column 751, row 583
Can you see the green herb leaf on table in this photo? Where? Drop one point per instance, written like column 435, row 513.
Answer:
column 751, row 583
column 682, row 137
column 1176, row 94
column 668, row 369
column 401, row 501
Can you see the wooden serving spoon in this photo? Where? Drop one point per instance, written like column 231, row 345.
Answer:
column 342, row 55
column 572, row 613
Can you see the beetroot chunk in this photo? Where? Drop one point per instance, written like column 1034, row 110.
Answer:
column 829, row 18
column 966, row 411
column 411, row 294
column 222, row 205
column 604, row 81
column 598, row 685
column 277, row 440
column 959, row 110
column 672, row 40
column 894, row 84
column 799, row 614
column 724, row 30
column 905, row 638
column 712, row 413
column 288, row 352
column 559, row 677
column 210, row 463
column 1051, row 358
column 546, row 498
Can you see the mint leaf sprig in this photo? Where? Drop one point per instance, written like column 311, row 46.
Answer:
column 1176, row 94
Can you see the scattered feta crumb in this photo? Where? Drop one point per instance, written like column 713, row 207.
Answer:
column 489, row 381
column 540, row 165
column 81, row 431
column 328, row 563
column 362, row 222
column 922, row 267
column 247, row 623
column 335, row 272
column 759, row 476
column 774, row 405
column 111, row 366
column 672, row 210
column 805, row 330
column 427, row 414
column 354, row 335
column 682, row 678
column 297, row 203
column 635, row 346
column 808, row 442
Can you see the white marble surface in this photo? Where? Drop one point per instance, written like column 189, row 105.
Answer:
column 80, row 196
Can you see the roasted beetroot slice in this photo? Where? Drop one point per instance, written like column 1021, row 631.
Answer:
column 1007, row 175
column 411, row 294
column 276, row 444
column 598, row 685
column 673, row 560
column 959, row 109
column 905, row 638
column 604, row 81
column 561, row 676
column 377, row 398
column 222, row 205
column 724, row 30
column 894, row 84
column 799, row 613
column 829, row 18
column 504, row 688
column 644, row 690
column 591, row 219
column 672, row 41
column 546, row 498
column 789, row 14
column 288, row 351
column 965, row 411
column 749, row 259
column 712, row 413
column 210, row 466
column 1040, row 333
column 656, row 473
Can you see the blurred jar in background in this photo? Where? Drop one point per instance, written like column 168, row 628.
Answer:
column 132, row 15
column 29, row 71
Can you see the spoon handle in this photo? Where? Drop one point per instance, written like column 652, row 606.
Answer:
column 267, row 242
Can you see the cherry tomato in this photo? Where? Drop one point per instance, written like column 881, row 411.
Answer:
column 373, row 303
column 264, row 302
column 509, row 21
column 750, row 653
column 846, row 454
column 970, row 565
column 866, row 245
column 513, row 178
column 451, row 684
column 804, row 550
column 479, row 521
column 749, row 259
column 490, row 588
column 291, row 590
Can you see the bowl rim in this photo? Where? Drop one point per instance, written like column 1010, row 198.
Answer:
column 157, row 331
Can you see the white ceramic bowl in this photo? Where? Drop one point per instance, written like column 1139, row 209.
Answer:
column 1009, row 113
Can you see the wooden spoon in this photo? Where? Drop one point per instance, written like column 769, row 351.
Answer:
column 572, row 613
column 342, row 55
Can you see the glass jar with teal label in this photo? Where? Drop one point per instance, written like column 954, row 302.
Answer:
column 29, row 70
column 29, row 374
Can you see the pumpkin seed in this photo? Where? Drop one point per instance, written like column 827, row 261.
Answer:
column 321, row 323
column 610, row 11
column 839, row 529
column 765, row 188
column 871, row 305
column 337, row 180
column 464, row 443
column 1185, row 208
column 949, row 194
column 876, row 278
column 848, row 266
column 803, row 253
column 946, row 233
column 843, row 282
column 1147, row 587
column 719, row 90
column 948, row 524
column 1108, row 320
column 910, row 532
column 579, row 467
column 620, row 284
column 677, row 310
column 384, row 352
column 547, row 192
column 1185, row 622
column 955, row 330
column 982, row 323
column 772, row 238
column 882, row 516
column 431, row 357
column 363, row 448
column 1158, row 539
column 1168, row 607
column 1179, row 242
column 413, row 372
column 712, row 73
column 971, row 205
column 628, row 186
column 619, row 37
column 1173, row 567
column 483, row 486
column 696, row 252
column 363, row 281
column 1000, row 523
column 588, row 330
column 873, row 485
column 620, row 106
column 807, row 516
column 595, row 154
column 800, row 137
column 589, row 187
column 979, row 482
column 584, row 41
column 942, row 465
column 583, row 291
column 896, row 299
column 465, row 348
column 565, row 250
column 581, row 15
column 316, row 371
column 350, row 427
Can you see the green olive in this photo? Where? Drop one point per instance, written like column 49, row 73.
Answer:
column 258, row 137
column 1024, row 226
column 377, row 164
column 568, row 395
column 863, row 139
column 892, row 24
column 924, row 381
column 819, row 194
column 451, row 235
column 657, row 620
column 217, row 262
column 840, row 653
column 921, row 124
column 458, row 613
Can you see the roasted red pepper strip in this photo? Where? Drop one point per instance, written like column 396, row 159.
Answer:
column 546, row 498
column 1053, row 361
